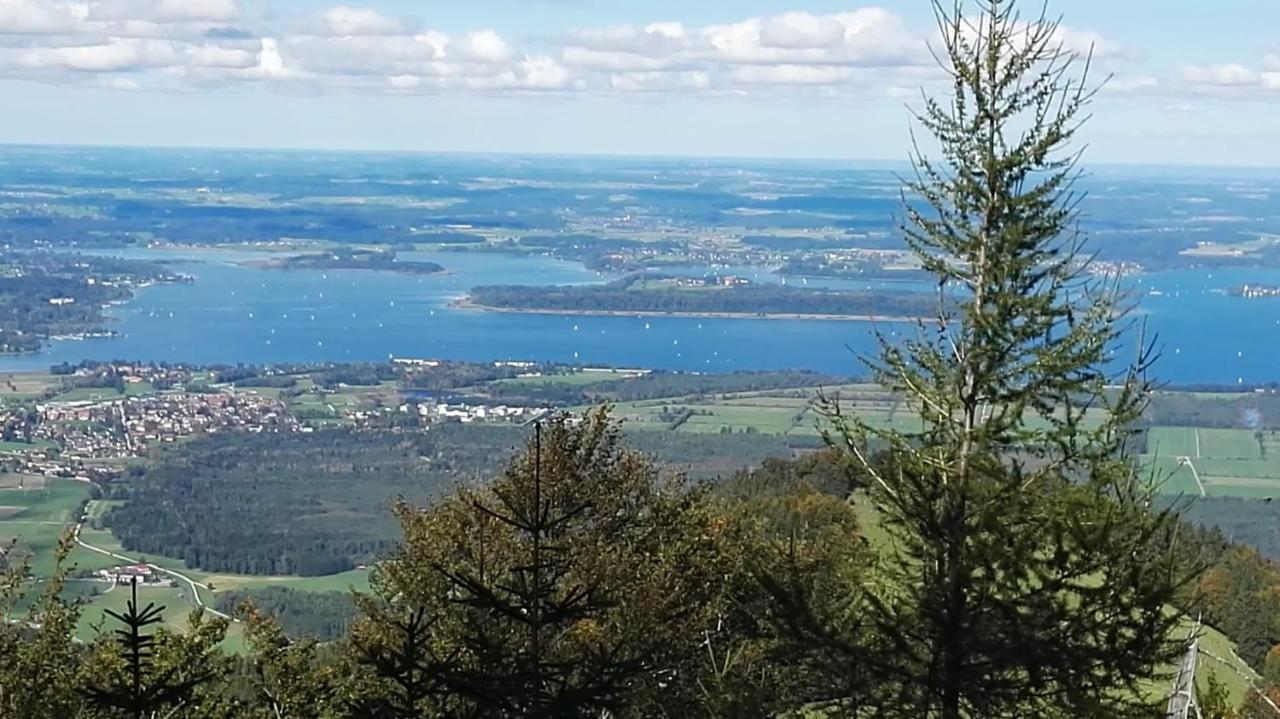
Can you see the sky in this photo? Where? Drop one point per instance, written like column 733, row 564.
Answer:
column 1191, row 83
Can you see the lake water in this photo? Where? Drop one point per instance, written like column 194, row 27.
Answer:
column 241, row 314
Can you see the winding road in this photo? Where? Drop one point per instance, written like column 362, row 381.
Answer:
column 194, row 586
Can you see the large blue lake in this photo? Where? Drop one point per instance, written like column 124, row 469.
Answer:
column 235, row 313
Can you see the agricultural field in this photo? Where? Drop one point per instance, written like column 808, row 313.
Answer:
column 777, row 412
column 103, row 394
column 1218, row 659
column 357, row 579
column 36, row 514
column 93, row 618
column 25, row 386
column 574, row 379
column 1214, row 462
column 317, row 407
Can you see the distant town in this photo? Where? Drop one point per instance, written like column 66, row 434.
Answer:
column 92, row 418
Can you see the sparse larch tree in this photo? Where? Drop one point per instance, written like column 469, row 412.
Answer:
column 1024, row 574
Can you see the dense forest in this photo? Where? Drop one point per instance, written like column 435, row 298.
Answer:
column 325, row 616
column 625, row 296
column 288, row 504
column 1248, row 522
column 1260, row 410
column 319, row 503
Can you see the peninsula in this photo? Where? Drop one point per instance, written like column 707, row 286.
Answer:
column 718, row 297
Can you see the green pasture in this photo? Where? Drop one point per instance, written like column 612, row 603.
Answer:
column 776, row 412
column 103, row 394
column 357, row 579
column 36, row 517
column 22, row 387
column 175, row 600
column 19, row 447
column 1230, row 462
column 575, row 379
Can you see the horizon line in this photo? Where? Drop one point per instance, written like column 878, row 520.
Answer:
column 5, row 145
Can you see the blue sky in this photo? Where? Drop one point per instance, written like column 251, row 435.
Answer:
column 1194, row 82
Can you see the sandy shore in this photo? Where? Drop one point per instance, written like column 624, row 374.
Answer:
column 466, row 303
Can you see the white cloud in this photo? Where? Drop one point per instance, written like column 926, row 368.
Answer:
column 870, row 38
column 217, row 56
column 483, row 46
column 593, row 59
column 793, row 75
column 1133, row 84
column 1229, row 75
column 115, row 55
column 36, row 17
column 654, row 40
column 799, row 30
column 1084, row 42
column 346, row 21
column 657, row 81
column 541, row 73
column 195, row 44
column 164, row 11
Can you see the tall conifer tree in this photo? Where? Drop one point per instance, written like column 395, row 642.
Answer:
column 1025, row 574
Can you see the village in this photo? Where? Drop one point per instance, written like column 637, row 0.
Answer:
column 132, row 426
column 100, row 416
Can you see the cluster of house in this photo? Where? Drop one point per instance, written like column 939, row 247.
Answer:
column 128, row 427
column 45, row 463
column 136, row 373
column 129, row 573
column 714, row 281
column 429, row 412
column 467, row 413
column 1115, row 268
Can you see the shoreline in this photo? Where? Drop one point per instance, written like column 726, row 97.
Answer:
column 466, row 303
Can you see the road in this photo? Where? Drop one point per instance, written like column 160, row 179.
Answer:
column 1187, row 461
column 192, row 584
